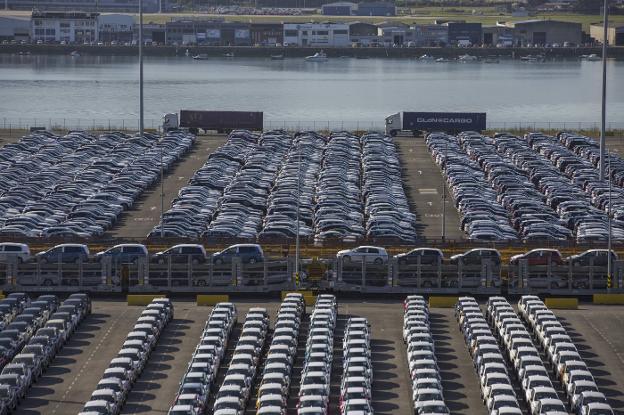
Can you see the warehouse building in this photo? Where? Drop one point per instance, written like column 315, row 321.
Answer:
column 149, row 6
column 363, row 34
column 115, row 28
column 615, row 34
column 14, row 28
column 316, row 34
column 70, row 27
column 498, row 35
column 394, row 34
column 546, row 32
column 267, row 34
column 338, row 9
column 375, row 9
column 464, row 34
column 430, row 35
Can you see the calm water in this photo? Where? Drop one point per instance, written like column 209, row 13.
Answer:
column 58, row 87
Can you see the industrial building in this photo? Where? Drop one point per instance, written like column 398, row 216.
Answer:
column 14, row 28
column 378, row 8
column 338, row 9
column 430, row 35
column 149, row 6
column 316, row 34
column 267, row 34
column 615, row 34
column 375, row 9
column 207, row 32
column 363, row 34
column 115, row 28
column 546, row 32
column 70, row 27
column 498, row 35
column 464, row 34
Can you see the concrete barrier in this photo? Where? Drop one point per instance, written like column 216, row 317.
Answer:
column 142, row 299
column 212, row 299
column 562, row 303
column 442, row 302
column 309, row 300
column 609, row 299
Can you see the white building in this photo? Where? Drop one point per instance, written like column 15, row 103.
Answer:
column 71, row 27
column 316, row 34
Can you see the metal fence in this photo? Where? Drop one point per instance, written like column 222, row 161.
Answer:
column 274, row 275
column 132, row 124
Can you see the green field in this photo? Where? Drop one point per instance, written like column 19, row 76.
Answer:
column 484, row 15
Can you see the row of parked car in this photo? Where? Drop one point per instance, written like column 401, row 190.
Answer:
column 357, row 369
column 339, row 213
column 579, row 385
column 235, row 390
column 241, row 209
column 497, row 389
column 576, row 158
column 196, row 203
column 27, row 350
column 294, row 189
column 276, row 376
column 112, row 390
column 427, row 391
column 198, row 381
column 481, row 216
column 314, row 387
column 537, row 388
column 79, row 184
column 386, row 208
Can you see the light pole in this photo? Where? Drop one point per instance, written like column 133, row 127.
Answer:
column 141, row 119
column 603, row 120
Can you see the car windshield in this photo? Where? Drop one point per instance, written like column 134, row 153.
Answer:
column 227, row 405
column 434, row 409
column 553, row 407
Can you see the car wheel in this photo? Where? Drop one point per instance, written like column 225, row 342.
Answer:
column 195, row 261
column 378, row 261
column 201, row 283
column 252, row 260
column 218, row 261
column 161, row 261
column 346, row 258
column 47, row 282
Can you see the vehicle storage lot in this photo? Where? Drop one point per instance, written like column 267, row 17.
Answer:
column 72, row 376
column 145, row 214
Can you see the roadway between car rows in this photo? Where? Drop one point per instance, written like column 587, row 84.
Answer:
column 75, row 371
column 424, row 184
column 145, row 214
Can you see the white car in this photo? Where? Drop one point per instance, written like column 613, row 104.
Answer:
column 368, row 254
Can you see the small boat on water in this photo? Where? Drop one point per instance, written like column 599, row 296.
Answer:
column 593, row 57
column 467, row 58
column 279, row 57
column 228, row 55
column 317, row 57
column 75, row 54
column 200, row 57
column 427, row 58
column 441, row 60
column 532, row 58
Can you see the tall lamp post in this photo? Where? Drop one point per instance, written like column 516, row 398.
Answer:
column 604, row 89
column 141, row 119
